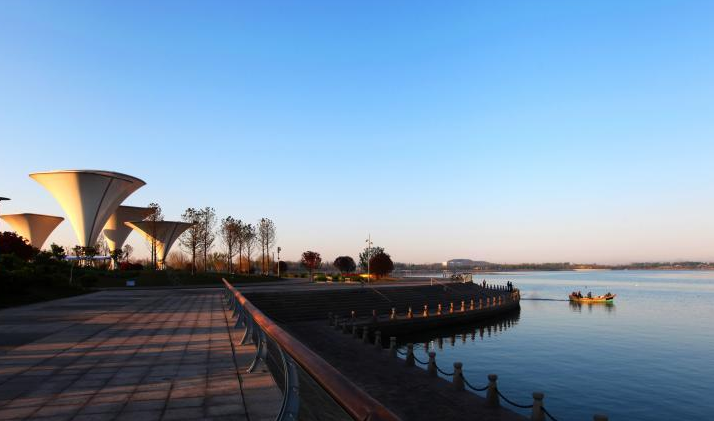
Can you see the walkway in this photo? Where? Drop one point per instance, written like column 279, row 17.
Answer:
column 129, row 355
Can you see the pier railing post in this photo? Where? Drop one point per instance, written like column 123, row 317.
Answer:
column 378, row 340
column 458, row 378
column 393, row 315
column 393, row 346
column 463, row 305
column 473, row 306
column 492, row 393
column 365, row 335
column 438, row 310
column 354, row 331
column 431, row 367
column 409, row 313
column 345, row 328
column 410, row 355
column 426, row 311
column 537, row 413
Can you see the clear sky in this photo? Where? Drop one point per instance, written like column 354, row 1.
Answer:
column 493, row 130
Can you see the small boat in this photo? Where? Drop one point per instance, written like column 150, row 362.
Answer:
column 607, row 298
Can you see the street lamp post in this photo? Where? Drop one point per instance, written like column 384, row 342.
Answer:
column 369, row 253
column 279, row 262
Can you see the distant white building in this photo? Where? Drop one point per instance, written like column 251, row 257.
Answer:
column 460, row 263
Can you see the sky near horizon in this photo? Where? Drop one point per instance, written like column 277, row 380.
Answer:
column 513, row 131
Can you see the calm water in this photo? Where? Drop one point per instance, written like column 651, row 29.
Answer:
column 650, row 356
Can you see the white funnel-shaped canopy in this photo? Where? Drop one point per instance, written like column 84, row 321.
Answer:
column 115, row 231
column 165, row 233
column 33, row 227
column 88, row 197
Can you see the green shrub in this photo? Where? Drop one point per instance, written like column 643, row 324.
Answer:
column 320, row 278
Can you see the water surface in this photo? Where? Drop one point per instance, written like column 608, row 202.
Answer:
column 649, row 356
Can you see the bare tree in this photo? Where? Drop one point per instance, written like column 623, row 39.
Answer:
column 249, row 237
column 266, row 238
column 230, row 231
column 126, row 253
column 240, row 241
column 155, row 216
column 207, row 222
column 191, row 238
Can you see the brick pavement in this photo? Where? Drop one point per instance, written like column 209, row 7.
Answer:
column 129, row 355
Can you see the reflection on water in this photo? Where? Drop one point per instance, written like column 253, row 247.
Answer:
column 647, row 356
column 471, row 332
column 577, row 306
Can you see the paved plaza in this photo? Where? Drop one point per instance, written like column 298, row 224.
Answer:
column 130, row 355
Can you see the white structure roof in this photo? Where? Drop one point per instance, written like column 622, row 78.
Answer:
column 165, row 233
column 115, row 231
column 88, row 197
column 33, row 227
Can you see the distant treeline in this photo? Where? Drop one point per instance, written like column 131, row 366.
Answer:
column 505, row 267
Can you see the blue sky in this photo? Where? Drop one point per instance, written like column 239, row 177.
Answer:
column 503, row 131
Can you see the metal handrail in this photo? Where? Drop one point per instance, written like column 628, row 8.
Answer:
column 358, row 404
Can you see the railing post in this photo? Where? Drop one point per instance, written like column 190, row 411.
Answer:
column 248, row 330
column 431, row 367
column 463, row 305
column 458, row 377
column 260, row 337
column 409, row 313
column 378, row 340
column 393, row 346
column 451, row 307
column 291, row 400
column 473, row 306
column 480, row 303
column 345, row 329
column 426, row 311
column 354, row 331
column 492, row 393
column 365, row 335
column 410, row 355
column 438, row 310
column 600, row 417
column 537, row 413
column 393, row 315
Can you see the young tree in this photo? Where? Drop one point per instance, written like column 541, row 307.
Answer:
column 155, row 216
column 311, row 260
column 190, row 240
column 126, row 253
column 116, row 257
column 230, row 231
column 266, row 238
column 381, row 264
column 345, row 264
column 367, row 254
column 58, row 252
column 207, row 222
column 249, row 236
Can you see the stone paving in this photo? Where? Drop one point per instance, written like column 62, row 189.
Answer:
column 129, row 355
